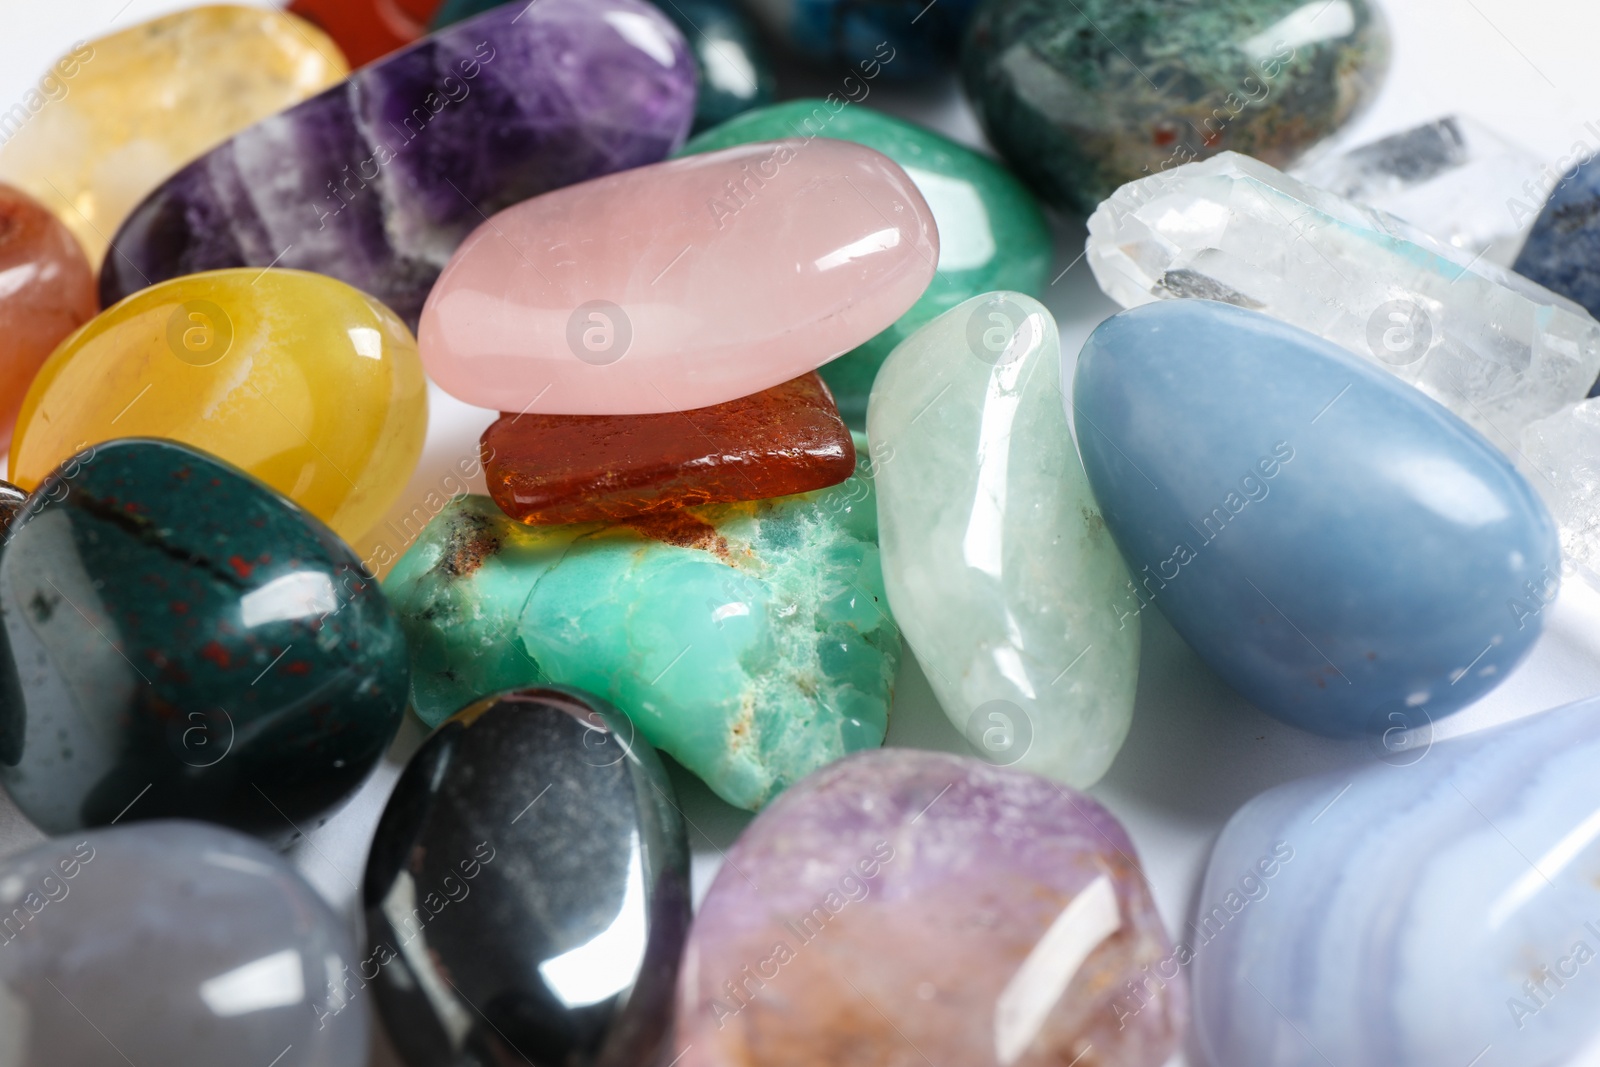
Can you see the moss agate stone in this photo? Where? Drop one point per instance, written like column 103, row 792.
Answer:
column 183, row 642
column 992, row 234
column 1084, row 95
column 996, row 559
column 527, row 895
column 750, row 641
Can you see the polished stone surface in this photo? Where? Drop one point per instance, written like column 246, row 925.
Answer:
column 996, row 559
column 550, row 469
column 1562, row 252
column 527, row 895
column 48, row 292
column 1561, row 456
column 901, row 901
column 750, row 641
column 1082, row 97
column 1494, row 348
column 182, row 642
column 376, row 181
column 992, row 234
column 309, row 385
column 896, row 38
column 138, row 104
column 368, row 29
column 1336, row 546
column 681, row 285
column 1436, row 908
column 12, row 501
column 168, row 943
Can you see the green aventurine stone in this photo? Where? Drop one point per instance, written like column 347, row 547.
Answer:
column 992, row 234
column 750, row 641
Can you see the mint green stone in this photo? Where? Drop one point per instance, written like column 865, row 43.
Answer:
column 992, row 234
column 754, row 655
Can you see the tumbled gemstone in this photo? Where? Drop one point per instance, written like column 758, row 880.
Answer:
column 992, row 234
column 304, row 382
column 681, row 285
column 900, row 901
column 1440, row 906
column 1344, row 552
column 183, row 642
column 895, row 39
column 995, row 557
column 749, row 641
column 376, row 181
column 527, row 894
column 48, row 293
column 368, row 29
column 138, row 104
column 1563, row 248
column 170, row 943
column 548, row 469
column 1082, row 96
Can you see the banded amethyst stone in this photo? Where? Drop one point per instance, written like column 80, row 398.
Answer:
column 899, row 902
column 377, row 180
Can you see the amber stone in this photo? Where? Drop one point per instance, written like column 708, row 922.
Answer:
column 368, row 29
column 550, row 469
column 46, row 292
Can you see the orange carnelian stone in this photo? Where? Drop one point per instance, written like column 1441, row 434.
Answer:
column 549, row 469
column 368, row 29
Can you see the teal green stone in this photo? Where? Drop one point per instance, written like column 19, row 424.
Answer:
column 992, row 234
column 1083, row 96
column 750, row 641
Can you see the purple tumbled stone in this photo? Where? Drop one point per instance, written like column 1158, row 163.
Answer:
column 899, row 905
column 377, row 180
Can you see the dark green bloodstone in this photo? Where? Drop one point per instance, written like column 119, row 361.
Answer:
column 181, row 641
column 527, row 893
column 1082, row 96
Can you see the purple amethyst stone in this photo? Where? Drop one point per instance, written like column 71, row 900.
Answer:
column 377, row 180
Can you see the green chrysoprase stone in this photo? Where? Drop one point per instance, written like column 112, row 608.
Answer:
column 750, row 641
column 1083, row 96
column 995, row 557
column 992, row 234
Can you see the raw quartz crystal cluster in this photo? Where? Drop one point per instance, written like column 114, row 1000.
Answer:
column 1511, row 358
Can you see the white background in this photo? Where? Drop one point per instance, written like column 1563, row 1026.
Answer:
column 1523, row 67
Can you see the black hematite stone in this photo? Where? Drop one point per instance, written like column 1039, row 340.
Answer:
column 527, row 895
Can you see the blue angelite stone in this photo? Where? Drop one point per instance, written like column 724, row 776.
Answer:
column 1342, row 550
column 1563, row 248
column 1436, row 910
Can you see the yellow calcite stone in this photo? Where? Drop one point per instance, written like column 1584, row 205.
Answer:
column 310, row 385
column 118, row 115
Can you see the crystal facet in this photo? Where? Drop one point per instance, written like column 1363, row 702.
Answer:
column 376, row 181
column 995, row 557
column 550, row 469
column 1494, row 348
column 1563, row 248
column 1343, row 551
column 904, row 900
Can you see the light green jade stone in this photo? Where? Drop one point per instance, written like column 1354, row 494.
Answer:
column 750, row 641
column 996, row 560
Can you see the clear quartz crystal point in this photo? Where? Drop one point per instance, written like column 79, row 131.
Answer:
column 1488, row 344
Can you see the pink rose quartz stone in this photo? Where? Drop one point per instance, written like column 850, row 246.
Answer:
column 902, row 907
column 680, row 285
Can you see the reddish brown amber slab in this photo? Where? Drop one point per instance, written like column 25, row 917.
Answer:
column 549, row 469
column 368, row 29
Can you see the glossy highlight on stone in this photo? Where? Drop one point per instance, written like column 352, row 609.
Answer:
column 549, row 469
column 1082, row 96
column 1337, row 547
column 992, row 234
column 136, row 105
column 527, row 895
column 681, row 285
column 182, row 642
column 368, row 29
column 995, row 556
column 49, row 293
column 750, row 641
column 183, row 943
column 1441, row 905
column 376, row 181
column 903, row 900
column 304, row 382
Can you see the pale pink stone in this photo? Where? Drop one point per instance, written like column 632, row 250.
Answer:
column 721, row 275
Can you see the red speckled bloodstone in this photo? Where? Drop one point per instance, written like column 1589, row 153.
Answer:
column 549, row 469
